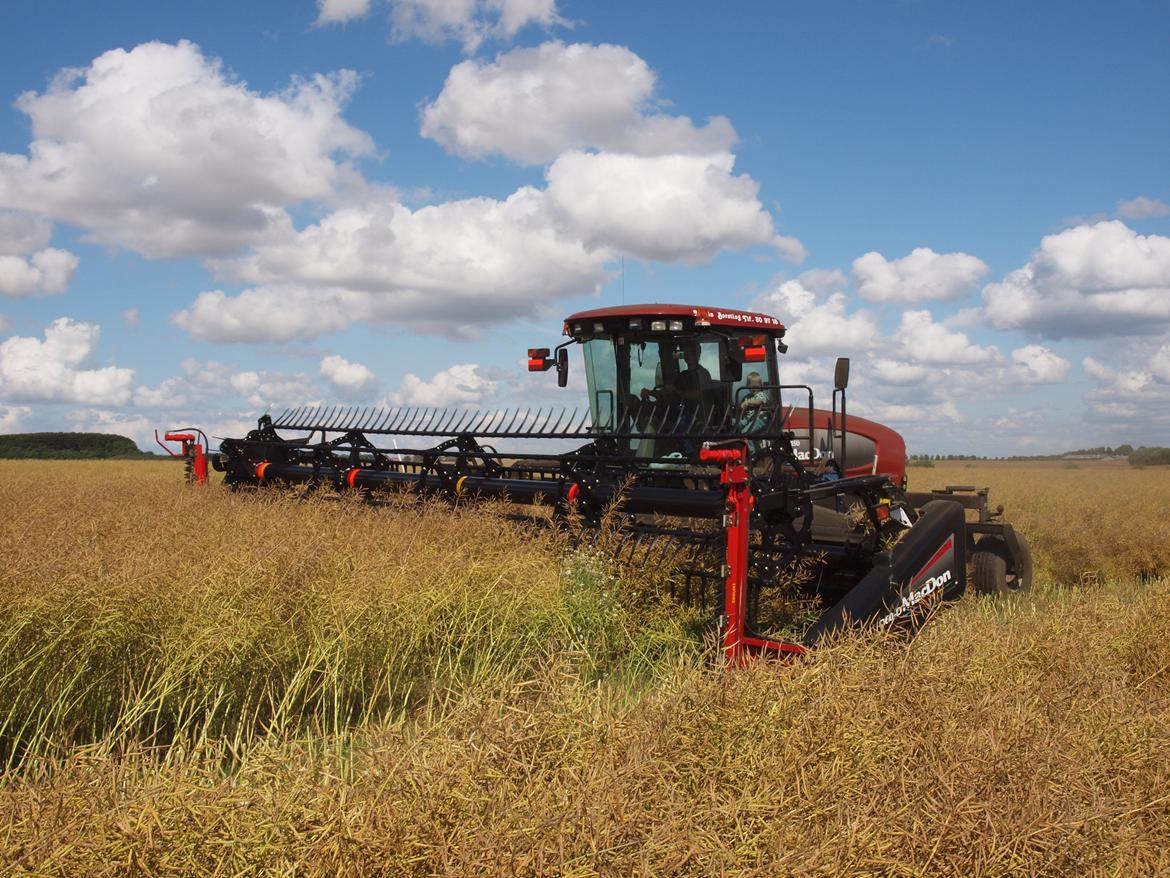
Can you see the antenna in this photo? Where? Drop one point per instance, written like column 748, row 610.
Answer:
column 623, row 278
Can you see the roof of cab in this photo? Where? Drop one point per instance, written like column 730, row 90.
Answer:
column 713, row 316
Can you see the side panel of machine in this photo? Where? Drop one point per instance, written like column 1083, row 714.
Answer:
column 928, row 566
column 870, row 448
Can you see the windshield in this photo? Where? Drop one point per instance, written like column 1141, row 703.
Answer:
column 679, row 383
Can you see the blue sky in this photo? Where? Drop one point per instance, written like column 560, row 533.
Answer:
column 208, row 210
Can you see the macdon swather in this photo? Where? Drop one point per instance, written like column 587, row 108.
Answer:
column 790, row 522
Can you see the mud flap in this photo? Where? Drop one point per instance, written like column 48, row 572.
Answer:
column 927, row 567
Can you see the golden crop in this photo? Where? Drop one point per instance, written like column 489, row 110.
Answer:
column 200, row 682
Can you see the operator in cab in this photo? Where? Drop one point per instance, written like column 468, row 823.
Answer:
column 693, row 387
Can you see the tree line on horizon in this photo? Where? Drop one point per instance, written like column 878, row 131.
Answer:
column 69, row 446
column 1144, row 455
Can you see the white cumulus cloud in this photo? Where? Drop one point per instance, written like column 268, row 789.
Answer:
column 159, row 150
column 22, row 233
column 531, row 105
column 46, row 271
column 1160, row 364
column 268, row 389
column 921, row 276
column 459, row 384
column 922, row 340
column 341, row 11
column 272, row 313
column 1036, row 364
column 816, row 327
column 51, row 369
column 350, row 380
column 448, row 268
column 1091, row 280
column 669, row 208
column 468, row 22
column 169, row 393
column 12, row 417
column 27, row 265
column 140, row 428
column 1142, row 207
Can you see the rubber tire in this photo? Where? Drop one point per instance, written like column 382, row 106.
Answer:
column 990, row 565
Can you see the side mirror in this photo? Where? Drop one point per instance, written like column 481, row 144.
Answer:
column 841, row 375
column 562, row 367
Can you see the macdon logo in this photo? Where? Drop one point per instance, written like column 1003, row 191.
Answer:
column 818, row 453
column 909, row 601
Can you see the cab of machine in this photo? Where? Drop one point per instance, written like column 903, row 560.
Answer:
column 695, row 363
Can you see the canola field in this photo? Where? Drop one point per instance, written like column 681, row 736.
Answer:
column 201, row 682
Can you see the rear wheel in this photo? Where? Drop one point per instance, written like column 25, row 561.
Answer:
column 993, row 570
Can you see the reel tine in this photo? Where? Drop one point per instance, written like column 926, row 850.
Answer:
column 380, row 417
column 481, row 417
column 544, row 427
column 445, row 422
column 413, row 416
column 557, row 426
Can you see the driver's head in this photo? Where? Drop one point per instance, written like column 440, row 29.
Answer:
column 691, row 357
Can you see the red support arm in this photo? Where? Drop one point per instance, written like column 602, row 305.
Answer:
column 738, row 643
column 193, row 452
